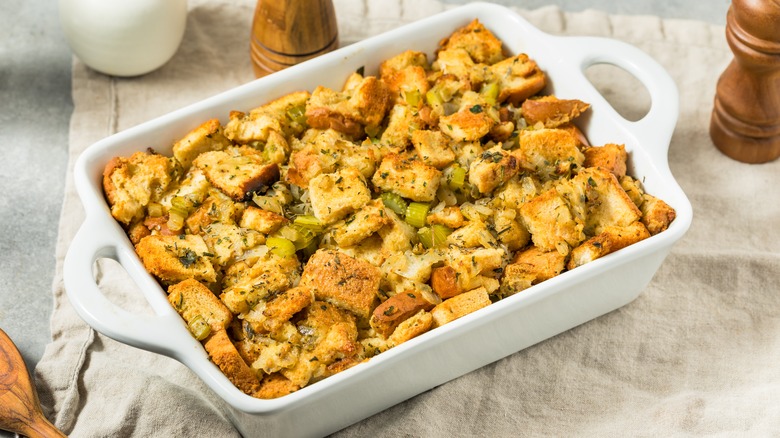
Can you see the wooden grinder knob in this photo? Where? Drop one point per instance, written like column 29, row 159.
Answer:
column 287, row 32
column 745, row 122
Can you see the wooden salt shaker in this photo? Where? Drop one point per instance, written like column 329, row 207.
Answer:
column 745, row 122
column 287, row 32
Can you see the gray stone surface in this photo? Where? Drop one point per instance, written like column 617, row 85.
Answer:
column 35, row 109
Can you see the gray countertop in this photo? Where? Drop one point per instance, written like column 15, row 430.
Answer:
column 35, row 110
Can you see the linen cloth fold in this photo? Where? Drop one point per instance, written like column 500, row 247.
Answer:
column 696, row 354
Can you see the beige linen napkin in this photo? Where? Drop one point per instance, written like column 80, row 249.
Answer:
column 695, row 354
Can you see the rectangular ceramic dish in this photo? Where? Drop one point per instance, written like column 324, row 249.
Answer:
column 489, row 334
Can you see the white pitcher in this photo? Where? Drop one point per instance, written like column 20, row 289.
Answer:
column 124, row 37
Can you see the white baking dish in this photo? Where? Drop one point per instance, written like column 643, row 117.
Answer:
column 437, row 356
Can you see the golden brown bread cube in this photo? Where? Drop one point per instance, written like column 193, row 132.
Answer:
column 530, row 267
column 343, row 281
column 283, row 306
column 519, row 78
column 433, row 148
column 396, row 309
column 403, row 120
column 459, row 306
column 494, row 167
column 246, row 284
column 131, row 183
column 550, row 153
column 404, row 73
column 448, row 216
column 407, row 177
column 224, row 354
column 410, row 328
column 176, row 258
column 607, row 203
column 444, row 282
column 361, row 225
column 260, row 220
column 550, row 222
column 479, row 42
column 206, row 137
column 656, row 214
column 274, row 386
column 608, row 241
column 552, row 112
column 237, row 171
column 473, row 120
column 335, row 195
column 261, row 122
column 364, row 105
column 217, row 207
column 325, row 152
column 610, row 156
column 192, row 300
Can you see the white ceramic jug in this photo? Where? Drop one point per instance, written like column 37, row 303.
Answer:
column 124, row 37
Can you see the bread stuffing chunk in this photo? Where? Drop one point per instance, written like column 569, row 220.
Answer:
column 224, row 354
column 609, row 240
column 283, row 116
column 176, row 258
column 131, row 183
column 343, row 281
column 551, row 223
column 472, row 121
column 336, row 195
column 206, row 137
column 657, row 215
column 405, row 76
column 350, row 112
column 407, row 177
column 494, row 167
column 610, row 156
column 325, row 152
column 518, row 78
column 262, row 221
column 552, row 112
column 247, row 284
column 433, row 148
column 403, row 120
column 550, row 153
column 197, row 305
column 479, row 42
column 607, row 202
column 529, row 267
column 365, row 222
column 460, row 306
column 397, row 309
column 238, row 171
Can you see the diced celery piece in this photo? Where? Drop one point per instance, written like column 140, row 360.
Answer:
column 281, row 246
column 199, row 328
column 310, row 222
column 394, row 202
column 417, row 214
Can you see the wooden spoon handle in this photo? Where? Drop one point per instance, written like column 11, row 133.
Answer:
column 20, row 409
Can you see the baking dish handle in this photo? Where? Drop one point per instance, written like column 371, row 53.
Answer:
column 655, row 129
column 149, row 332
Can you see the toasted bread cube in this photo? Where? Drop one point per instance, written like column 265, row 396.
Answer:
column 238, row 172
column 656, row 214
column 481, row 45
column 518, row 77
column 472, row 263
column 530, row 267
column 407, row 177
column 551, row 111
column 510, row 231
column 409, row 58
column 579, row 136
column 335, row 195
column 362, row 224
column 274, row 386
column 224, row 354
column 131, row 183
column 551, row 223
column 331, row 334
column 282, row 307
column 326, row 151
column 608, row 241
column 397, row 235
column 405, row 72
column 551, row 153
column 346, row 282
column 245, row 128
column 633, row 189
column 494, row 167
column 403, row 120
column 396, row 309
column 246, row 284
column 227, row 242
column 608, row 204
column 517, row 191
column 204, row 138
column 433, row 148
column 444, row 282
column 448, row 216
column 363, row 105
column 410, row 328
column 459, row 306
column 192, row 300
column 260, row 220
column 458, row 63
column 610, row 156
column 217, row 207
column 474, row 234
column 175, row 258
column 473, row 120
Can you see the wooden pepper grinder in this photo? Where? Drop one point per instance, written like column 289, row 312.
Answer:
column 745, row 122
column 287, row 32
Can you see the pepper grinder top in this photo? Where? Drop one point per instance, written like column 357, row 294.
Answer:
column 287, row 32
column 745, row 122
